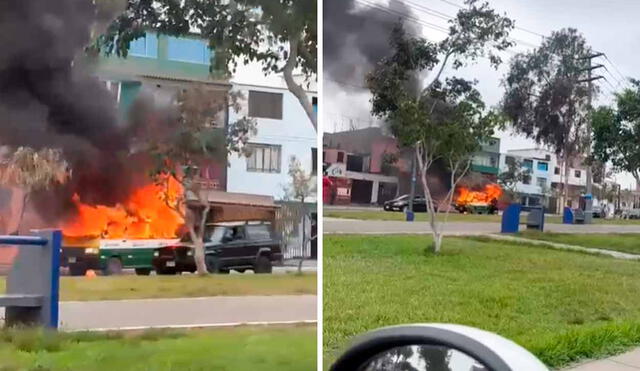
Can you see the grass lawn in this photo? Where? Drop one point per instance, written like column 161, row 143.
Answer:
column 264, row 348
column 139, row 287
column 453, row 217
column 562, row 306
column 629, row 243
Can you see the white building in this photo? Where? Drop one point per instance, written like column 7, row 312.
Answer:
column 545, row 175
column 283, row 130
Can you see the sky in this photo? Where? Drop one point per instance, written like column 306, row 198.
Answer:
column 610, row 26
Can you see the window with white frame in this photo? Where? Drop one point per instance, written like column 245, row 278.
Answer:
column 541, row 182
column 264, row 158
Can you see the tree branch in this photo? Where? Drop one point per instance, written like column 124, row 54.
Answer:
column 294, row 88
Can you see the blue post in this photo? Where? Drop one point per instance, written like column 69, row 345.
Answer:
column 511, row 219
column 567, row 216
column 410, row 216
column 54, row 306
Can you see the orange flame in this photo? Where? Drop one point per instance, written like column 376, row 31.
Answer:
column 144, row 215
column 468, row 197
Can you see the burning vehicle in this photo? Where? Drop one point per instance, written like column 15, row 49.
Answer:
column 111, row 239
column 483, row 201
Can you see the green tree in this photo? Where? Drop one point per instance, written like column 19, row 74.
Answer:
column 30, row 170
column 192, row 141
column 545, row 99
column 616, row 132
column 513, row 175
column 444, row 120
column 280, row 34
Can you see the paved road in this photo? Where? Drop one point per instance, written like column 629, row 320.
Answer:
column 625, row 362
column 187, row 312
column 352, row 226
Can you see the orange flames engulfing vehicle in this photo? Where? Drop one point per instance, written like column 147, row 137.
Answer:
column 144, row 215
column 490, row 194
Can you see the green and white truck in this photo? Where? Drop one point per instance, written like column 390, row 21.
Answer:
column 110, row 256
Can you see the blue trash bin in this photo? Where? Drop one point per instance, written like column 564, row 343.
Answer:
column 511, row 219
column 410, row 216
column 567, row 216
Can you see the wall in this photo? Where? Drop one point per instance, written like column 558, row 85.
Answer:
column 160, row 61
column 294, row 133
column 536, row 156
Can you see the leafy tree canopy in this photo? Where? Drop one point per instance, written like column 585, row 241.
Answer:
column 616, row 132
column 545, row 98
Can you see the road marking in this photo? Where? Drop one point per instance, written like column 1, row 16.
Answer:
column 224, row 297
column 200, row 325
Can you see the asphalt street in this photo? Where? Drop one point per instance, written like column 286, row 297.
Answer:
column 186, row 312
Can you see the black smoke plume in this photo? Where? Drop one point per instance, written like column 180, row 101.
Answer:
column 356, row 38
column 48, row 100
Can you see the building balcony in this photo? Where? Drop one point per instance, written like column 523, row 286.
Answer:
column 485, row 169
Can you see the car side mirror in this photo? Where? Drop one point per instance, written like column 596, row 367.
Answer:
column 435, row 347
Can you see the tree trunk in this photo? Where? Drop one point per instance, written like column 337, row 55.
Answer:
column 304, row 237
column 25, row 199
column 198, row 250
column 433, row 221
column 293, row 87
column 198, row 240
column 565, row 185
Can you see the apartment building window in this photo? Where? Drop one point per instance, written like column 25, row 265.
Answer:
column 510, row 160
column 526, row 179
column 314, row 102
column 527, row 164
column 543, row 166
column 355, row 163
column 145, row 46
column 340, row 158
column 556, row 171
column 188, row 50
column 541, row 182
column 578, row 173
column 314, row 160
column 266, row 105
column 483, row 160
column 264, row 158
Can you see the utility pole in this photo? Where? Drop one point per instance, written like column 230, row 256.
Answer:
column 588, row 212
column 412, row 193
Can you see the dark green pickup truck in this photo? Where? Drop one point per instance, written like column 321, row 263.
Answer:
column 228, row 246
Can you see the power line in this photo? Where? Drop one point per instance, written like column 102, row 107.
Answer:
column 448, row 17
column 517, row 27
column 625, row 79
column 425, row 23
column 403, row 15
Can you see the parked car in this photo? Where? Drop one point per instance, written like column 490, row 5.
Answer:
column 228, row 246
column 402, row 204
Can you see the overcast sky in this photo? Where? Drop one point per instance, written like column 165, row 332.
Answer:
column 610, row 26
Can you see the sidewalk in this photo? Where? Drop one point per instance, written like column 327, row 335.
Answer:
column 624, row 362
column 185, row 312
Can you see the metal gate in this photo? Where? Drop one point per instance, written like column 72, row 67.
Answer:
column 289, row 227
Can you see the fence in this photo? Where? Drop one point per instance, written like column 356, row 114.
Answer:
column 289, row 227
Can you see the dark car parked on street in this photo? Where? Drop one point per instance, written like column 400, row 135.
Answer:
column 227, row 247
column 402, row 204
